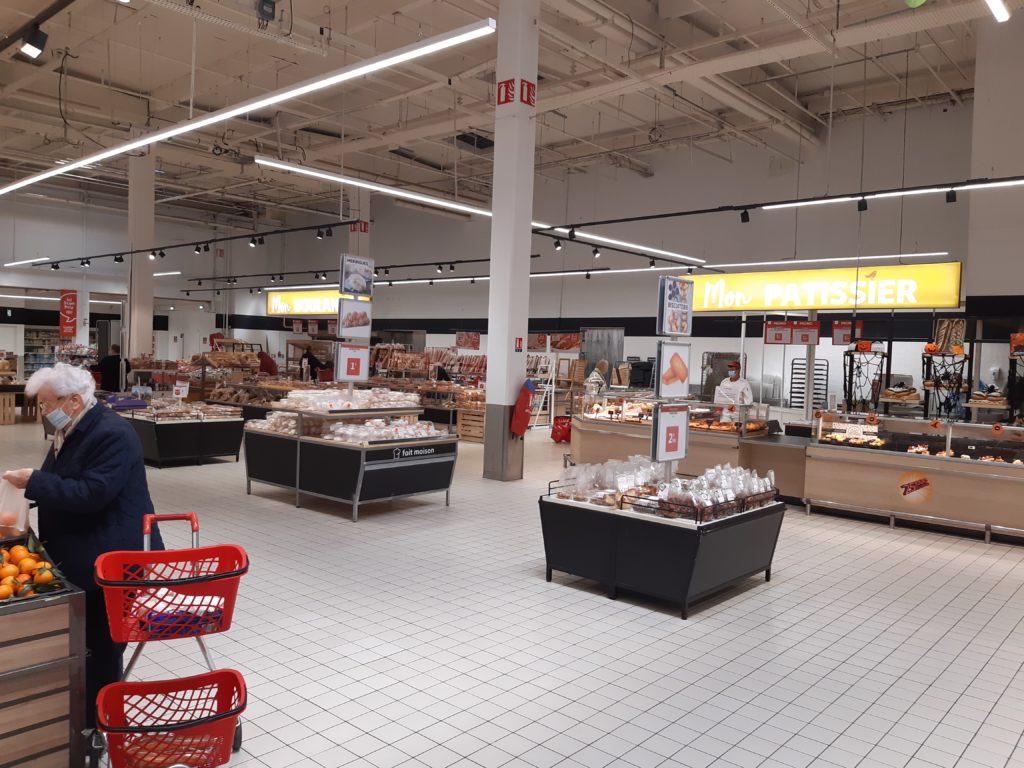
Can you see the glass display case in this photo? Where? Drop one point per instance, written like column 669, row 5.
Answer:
column 628, row 406
column 727, row 418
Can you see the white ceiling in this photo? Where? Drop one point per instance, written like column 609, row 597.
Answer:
column 618, row 79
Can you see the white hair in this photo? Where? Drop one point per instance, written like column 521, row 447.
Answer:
column 65, row 380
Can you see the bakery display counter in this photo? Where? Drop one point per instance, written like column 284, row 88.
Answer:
column 954, row 475
column 782, row 454
column 195, row 435
column 355, row 457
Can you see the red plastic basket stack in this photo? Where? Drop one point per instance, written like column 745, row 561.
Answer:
column 157, row 724
column 170, row 594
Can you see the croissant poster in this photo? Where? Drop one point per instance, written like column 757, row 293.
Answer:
column 673, row 378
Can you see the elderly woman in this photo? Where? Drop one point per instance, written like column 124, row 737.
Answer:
column 92, row 495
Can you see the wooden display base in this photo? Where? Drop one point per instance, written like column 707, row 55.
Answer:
column 470, row 426
column 7, row 408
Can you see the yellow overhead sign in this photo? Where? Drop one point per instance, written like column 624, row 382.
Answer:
column 898, row 286
column 320, row 301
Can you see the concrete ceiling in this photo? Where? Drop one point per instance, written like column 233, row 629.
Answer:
column 619, row 79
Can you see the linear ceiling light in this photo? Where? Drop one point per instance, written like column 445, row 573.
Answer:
column 945, row 189
column 165, row 274
column 26, row 261
column 999, row 10
column 804, row 203
column 375, row 64
column 451, row 205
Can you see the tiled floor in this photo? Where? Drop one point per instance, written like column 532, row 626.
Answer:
column 425, row 636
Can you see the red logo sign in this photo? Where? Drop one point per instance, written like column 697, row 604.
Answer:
column 506, row 91
column 68, row 314
column 359, row 226
column 671, row 439
column 519, row 343
column 914, row 485
column 352, row 366
column 528, row 93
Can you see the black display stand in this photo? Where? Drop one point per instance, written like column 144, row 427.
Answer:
column 187, row 441
column 670, row 559
column 352, row 474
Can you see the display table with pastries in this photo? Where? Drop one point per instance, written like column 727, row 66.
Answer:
column 946, row 474
column 682, row 542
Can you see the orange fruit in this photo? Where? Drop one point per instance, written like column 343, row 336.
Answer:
column 42, row 576
column 9, row 570
column 18, row 553
column 10, row 581
column 5, row 592
column 26, row 591
column 23, row 578
column 43, row 564
column 4, row 555
column 28, row 564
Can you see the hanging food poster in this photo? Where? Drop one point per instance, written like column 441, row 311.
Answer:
column 675, row 306
column 566, row 342
column 354, row 318
column 357, row 275
column 673, row 370
column 537, row 342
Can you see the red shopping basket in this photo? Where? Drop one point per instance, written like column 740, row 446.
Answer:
column 163, row 723
column 170, row 594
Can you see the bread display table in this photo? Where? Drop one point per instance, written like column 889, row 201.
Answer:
column 672, row 559
column 42, row 681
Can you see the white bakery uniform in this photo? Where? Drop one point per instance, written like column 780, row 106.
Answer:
column 739, row 392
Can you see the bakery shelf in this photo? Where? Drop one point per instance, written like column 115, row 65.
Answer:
column 987, row 407
column 668, row 559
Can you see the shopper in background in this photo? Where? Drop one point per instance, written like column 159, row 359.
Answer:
column 109, row 369
column 315, row 366
column 92, row 495
column 267, row 364
column 735, row 389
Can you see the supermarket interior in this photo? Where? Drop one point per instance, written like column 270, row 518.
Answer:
column 705, row 321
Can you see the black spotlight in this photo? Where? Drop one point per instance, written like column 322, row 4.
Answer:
column 596, row 252
column 652, row 264
column 473, row 281
column 745, row 216
column 572, row 233
column 376, row 272
column 387, row 271
column 259, row 290
column 319, row 234
column 558, row 244
column 187, row 293
column 281, row 277
column 588, row 275
column 85, row 263
column 273, row 279
column 451, row 267
column 252, row 242
column 391, row 284
column 55, row 266
column 330, row 232
column 431, row 282
column 162, row 254
column 152, row 255
column 196, row 250
column 260, row 240
column 689, row 270
column 862, row 204
column 218, row 293
column 119, row 259
column 950, row 195
column 206, row 247
column 440, row 269
column 33, row 44
column 199, row 283
column 250, row 290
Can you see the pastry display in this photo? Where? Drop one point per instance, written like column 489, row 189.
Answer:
column 355, row 320
column 901, row 393
column 921, row 449
column 328, row 400
column 379, row 430
column 988, row 399
column 172, row 410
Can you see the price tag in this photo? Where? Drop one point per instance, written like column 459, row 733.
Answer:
column 872, row 418
column 817, row 414
column 936, row 424
column 997, row 429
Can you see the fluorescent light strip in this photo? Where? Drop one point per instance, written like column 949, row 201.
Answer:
column 400, row 56
column 999, row 10
column 895, row 193
column 26, row 261
column 803, row 203
column 165, row 274
column 51, row 298
column 796, row 263
column 451, row 205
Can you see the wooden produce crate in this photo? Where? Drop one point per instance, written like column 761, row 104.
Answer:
column 42, row 681
column 7, row 408
column 471, row 425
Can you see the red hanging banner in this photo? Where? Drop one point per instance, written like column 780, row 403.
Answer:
column 68, row 314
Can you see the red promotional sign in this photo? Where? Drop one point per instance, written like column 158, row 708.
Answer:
column 296, row 326
column 672, row 439
column 528, row 93
column 332, row 327
column 506, row 91
column 353, row 366
column 314, row 327
column 68, row 314
column 806, row 332
column 842, row 331
column 359, row 226
column 519, row 343
column 780, row 332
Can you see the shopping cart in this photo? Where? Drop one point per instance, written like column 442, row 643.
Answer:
column 168, row 595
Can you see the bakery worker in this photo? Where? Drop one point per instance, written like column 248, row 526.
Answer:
column 92, row 495
column 735, row 389
column 109, row 369
column 268, row 365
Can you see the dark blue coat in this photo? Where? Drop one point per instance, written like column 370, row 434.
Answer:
column 92, row 496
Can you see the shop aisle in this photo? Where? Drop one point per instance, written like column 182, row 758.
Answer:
column 425, row 636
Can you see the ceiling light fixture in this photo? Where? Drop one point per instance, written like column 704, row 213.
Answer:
column 596, row 252
column 26, row 261
column 431, row 282
column 439, row 202
column 999, row 10
column 329, row 232
column 165, row 274
column 162, row 254
column 387, row 271
column 252, row 242
column 55, row 266
column 188, row 293
column 206, row 247
column 196, row 249
column 34, row 43
column 319, row 234
column 273, row 279
column 950, row 195
column 119, row 259
column 260, row 240
column 352, row 72
column 152, row 255
column 259, row 290
column 651, row 266
column 451, row 267
column 588, row 275
column 440, row 269
column 862, row 205
column 744, row 216
column 558, row 244
column 85, row 263
column 804, row 203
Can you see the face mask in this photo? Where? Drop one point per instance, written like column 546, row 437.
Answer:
column 58, row 419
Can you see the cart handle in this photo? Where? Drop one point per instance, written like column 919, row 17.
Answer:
column 148, row 520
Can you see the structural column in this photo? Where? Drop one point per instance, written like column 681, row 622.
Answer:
column 141, row 233
column 511, row 235
column 996, row 228
column 82, row 329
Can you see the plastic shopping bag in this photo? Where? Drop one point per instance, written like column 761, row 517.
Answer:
column 13, row 511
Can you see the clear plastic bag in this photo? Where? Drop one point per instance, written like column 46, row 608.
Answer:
column 13, row 511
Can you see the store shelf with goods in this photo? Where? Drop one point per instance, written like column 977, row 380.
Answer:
column 667, row 544
column 355, row 456
column 295, row 349
column 40, row 344
column 949, row 474
column 189, row 432
column 42, row 678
